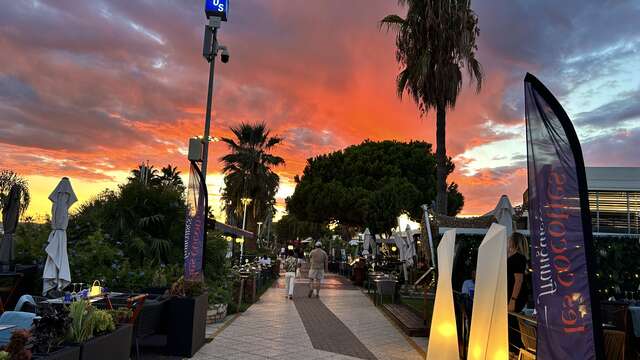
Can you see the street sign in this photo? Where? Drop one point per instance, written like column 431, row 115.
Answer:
column 218, row 8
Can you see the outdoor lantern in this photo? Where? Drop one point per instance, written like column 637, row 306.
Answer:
column 489, row 330
column 443, row 340
column 240, row 240
column 393, row 248
column 229, row 239
column 290, row 247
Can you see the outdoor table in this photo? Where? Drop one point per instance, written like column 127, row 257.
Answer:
column 94, row 299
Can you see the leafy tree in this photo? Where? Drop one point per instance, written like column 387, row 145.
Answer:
column 248, row 169
column 145, row 220
column 8, row 178
column 290, row 228
column 369, row 185
column 434, row 42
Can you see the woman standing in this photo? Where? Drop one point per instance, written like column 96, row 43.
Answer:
column 517, row 252
column 290, row 267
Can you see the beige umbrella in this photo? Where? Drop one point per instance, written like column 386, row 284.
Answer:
column 56, row 270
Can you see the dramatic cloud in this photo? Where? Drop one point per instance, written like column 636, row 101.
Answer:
column 89, row 89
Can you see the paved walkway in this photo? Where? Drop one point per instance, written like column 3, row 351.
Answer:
column 341, row 324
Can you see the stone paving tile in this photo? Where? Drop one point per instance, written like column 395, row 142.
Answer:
column 273, row 329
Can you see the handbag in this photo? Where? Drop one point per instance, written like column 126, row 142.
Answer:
column 96, row 289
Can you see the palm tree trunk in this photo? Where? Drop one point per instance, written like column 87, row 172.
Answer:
column 441, row 160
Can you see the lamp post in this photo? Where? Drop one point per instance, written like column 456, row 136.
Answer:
column 245, row 202
column 216, row 11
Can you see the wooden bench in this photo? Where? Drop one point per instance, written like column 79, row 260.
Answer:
column 410, row 323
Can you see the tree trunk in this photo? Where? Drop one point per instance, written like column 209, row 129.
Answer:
column 441, row 160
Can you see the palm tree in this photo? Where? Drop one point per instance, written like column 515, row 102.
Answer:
column 170, row 176
column 434, row 43
column 8, row 179
column 248, row 170
column 145, row 174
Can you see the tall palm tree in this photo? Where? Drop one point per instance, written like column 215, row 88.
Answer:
column 170, row 176
column 434, row 43
column 248, row 169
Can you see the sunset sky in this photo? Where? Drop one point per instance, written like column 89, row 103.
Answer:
column 89, row 89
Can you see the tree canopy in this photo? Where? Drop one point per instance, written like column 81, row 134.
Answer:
column 370, row 185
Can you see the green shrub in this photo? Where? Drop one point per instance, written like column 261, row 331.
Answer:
column 103, row 322
column 82, row 321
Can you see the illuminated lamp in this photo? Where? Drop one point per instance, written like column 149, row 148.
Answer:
column 290, row 247
column 393, row 248
column 443, row 339
column 489, row 337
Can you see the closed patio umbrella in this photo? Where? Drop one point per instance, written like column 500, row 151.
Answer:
column 10, row 215
column 56, row 270
column 411, row 249
column 504, row 214
column 367, row 242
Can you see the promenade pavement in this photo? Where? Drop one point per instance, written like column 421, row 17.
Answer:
column 342, row 323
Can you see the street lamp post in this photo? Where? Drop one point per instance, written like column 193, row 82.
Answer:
column 245, row 203
column 216, row 11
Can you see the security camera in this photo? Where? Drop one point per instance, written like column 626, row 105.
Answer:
column 225, row 54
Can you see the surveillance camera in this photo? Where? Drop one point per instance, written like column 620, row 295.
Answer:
column 225, row 54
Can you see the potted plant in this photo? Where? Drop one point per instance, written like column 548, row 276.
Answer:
column 187, row 316
column 96, row 332
column 49, row 333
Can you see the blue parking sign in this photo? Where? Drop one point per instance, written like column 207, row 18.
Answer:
column 217, row 8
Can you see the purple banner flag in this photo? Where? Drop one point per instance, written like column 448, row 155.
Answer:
column 568, row 313
column 194, row 230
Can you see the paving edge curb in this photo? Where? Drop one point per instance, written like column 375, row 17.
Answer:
column 226, row 324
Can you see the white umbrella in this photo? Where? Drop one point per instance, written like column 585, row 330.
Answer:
column 400, row 244
column 504, row 214
column 367, row 242
column 56, row 270
column 411, row 249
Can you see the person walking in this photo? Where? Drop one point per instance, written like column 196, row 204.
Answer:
column 290, row 267
column 319, row 261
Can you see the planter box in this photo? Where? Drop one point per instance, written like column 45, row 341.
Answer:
column 113, row 346
column 66, row 353
column 187, row 321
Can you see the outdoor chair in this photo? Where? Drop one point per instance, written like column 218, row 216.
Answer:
column 614, row 342
column 21, row 321
column 148, row 322
column 385, row 287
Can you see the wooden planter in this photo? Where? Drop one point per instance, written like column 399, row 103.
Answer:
column 66, row 353
column 187, row 321
column 112, row 346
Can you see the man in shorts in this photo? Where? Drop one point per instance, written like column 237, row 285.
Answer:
column 319, row 263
